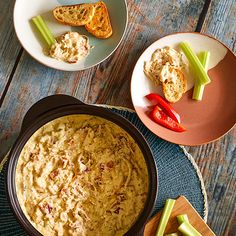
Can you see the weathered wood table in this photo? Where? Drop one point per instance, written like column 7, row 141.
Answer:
column 23, row 81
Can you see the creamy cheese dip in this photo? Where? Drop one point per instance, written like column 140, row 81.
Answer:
column 81, row 175
column 70, row 47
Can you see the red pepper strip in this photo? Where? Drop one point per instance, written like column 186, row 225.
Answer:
column 158, row 100
column 160, row 117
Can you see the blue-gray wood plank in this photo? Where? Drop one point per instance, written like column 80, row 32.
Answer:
column 109, row 83
column 220, row 22
column 220, row 177
column 9, row 45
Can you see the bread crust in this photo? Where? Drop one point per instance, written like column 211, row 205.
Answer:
column 74, row 15
column 174, row 91
column 100, row 25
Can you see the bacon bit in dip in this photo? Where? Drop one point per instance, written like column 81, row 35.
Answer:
column 117, row 210
column 54, row 174
column 110, row 164
column 102, row 166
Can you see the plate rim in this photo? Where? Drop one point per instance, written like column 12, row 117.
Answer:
column 162, row 136
column 84, row 68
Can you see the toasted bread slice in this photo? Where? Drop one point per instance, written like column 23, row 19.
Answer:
column 74, row 15
column 175, row 88
column 100, row 25
column 152, row 71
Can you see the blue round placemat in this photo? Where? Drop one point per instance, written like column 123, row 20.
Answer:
column 178, row 175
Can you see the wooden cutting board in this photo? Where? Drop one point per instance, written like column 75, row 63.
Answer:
column 182, row 206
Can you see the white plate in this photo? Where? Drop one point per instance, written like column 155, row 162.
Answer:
column 30, row 39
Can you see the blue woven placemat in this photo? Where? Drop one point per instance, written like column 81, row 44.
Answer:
column 177, row 175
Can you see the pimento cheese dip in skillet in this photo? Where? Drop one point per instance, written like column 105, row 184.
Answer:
column 81, row 175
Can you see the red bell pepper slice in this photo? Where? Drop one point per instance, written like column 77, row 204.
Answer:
column 158, row 100
column 160, row 117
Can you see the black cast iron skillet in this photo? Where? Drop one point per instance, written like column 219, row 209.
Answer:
column 56, row 106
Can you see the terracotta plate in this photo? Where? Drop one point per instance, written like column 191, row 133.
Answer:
column 205, row 120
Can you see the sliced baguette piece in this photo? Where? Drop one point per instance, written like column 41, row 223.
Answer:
column 173, row 90
column 100, row 25
column 152, row 71
column 74, row 15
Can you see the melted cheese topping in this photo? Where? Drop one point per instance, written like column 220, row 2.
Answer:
column 70, row 47
column 81, row 175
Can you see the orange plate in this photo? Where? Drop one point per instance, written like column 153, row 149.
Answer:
column 205, row 120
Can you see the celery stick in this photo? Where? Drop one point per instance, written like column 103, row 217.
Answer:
column 173, row 234
column 165, row 216
column 41, row 31
column 195, row 63
column 198, row 90
column 204, row 58
column 44, row 30
column 187, row 229
column 182, row 218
